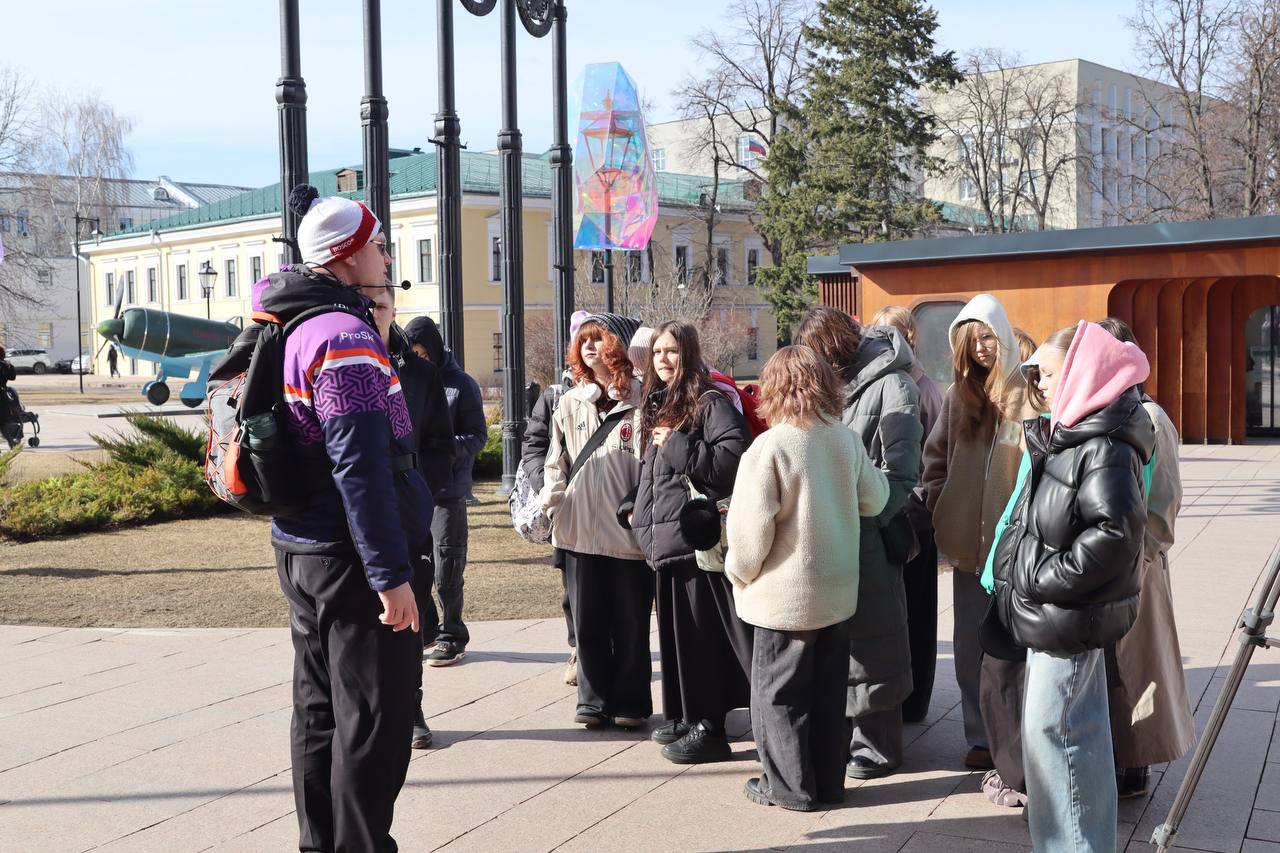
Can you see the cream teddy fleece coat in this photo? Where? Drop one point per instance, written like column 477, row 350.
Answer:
column 794, row 524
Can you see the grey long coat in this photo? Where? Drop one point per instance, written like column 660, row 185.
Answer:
column 882, row 406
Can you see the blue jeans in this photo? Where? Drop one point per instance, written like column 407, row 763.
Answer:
column 1066, row 739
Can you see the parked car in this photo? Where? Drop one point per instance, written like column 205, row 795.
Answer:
column 82, row 363
column 35, row 361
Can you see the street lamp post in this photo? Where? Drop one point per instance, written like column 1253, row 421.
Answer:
column 561, row 189
column 208, row 277
column 291, row 95
column 373, row 117
column 79, row 320
column 537, row 17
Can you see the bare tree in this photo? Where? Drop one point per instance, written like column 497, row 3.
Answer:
column 757, row 61
column 1046, row 142
column 1183, row 44
column 58, row 157
column 1254, row 92
column 666, row 294
column 1012, row 132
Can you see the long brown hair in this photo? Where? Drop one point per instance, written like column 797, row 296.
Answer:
column 977, row 387
column 612, row 352
column 832, row 334
column 798, row 386
column 679, row 404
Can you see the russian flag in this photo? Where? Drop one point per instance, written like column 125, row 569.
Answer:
column 755, row 146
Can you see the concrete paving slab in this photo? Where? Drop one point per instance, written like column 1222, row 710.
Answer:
column 175, row 740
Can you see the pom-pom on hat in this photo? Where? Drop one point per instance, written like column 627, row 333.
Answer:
column 332, row 228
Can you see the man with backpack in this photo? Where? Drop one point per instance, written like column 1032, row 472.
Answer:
column 449, row 525
column 343, row 559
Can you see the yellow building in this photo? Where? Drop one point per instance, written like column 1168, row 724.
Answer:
column 157, row 264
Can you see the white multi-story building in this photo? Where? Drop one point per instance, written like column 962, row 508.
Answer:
column 1108, row 129
column 36, row 227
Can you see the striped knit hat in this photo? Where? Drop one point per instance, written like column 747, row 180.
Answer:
column 624, row 328
column 332, row 228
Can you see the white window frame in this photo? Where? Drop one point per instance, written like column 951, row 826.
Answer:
column 181, row 283
column 643, row 254
column 746, row 157
column 659, row 157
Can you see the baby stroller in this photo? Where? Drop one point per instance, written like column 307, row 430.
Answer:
column 13, row 416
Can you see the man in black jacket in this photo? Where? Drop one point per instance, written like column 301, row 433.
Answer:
column 449, row 524
column 424, row 395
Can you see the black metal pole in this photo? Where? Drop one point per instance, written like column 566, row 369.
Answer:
column 79, row 343
column 512, row 202
column 561, row 188
column 291, row 95
column 608, row 280
column 449, row 187
column 373, row 118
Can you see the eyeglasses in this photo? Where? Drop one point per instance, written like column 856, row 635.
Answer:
column 382, row 246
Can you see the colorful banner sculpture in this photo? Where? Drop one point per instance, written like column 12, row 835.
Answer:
column 617, row 189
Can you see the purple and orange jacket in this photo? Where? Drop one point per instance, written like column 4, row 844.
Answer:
column 344, row 404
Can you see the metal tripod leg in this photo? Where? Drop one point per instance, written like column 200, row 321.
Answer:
column 1253, row 634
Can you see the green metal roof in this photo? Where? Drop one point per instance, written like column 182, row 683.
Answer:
column 415, row 175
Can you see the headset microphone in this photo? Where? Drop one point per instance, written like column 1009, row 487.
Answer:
column 404, row 285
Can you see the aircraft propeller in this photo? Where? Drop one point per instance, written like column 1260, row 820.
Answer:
column 113, row 328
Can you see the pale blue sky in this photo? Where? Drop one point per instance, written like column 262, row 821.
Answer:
column 198, row 76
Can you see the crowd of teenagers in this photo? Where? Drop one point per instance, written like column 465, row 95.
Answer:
column 790, row 535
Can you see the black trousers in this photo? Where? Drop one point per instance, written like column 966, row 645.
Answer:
column 920, row 577
column 798, row 681
column 557, row 560
column 353, row 688
column 704, row 648
column 611, row 601
column 1001, row 696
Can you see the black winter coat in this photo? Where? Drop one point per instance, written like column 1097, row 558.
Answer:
column 424, row 394
column 707, row 452
column 537, row 436
column 1067, row 569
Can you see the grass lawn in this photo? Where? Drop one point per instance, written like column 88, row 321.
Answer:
column 220, row 572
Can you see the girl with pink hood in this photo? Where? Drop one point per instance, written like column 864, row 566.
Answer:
column 1067, row 576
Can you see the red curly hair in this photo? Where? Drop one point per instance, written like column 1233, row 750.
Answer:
column 612, row 351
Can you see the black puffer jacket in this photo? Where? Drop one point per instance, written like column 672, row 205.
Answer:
column 1067, row 567
column 424, row 394
column 707, row 452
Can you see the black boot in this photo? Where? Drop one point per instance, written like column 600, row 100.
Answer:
column 702, row 745
column 421, row 733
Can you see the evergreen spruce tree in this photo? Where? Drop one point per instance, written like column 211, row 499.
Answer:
column 844, row 168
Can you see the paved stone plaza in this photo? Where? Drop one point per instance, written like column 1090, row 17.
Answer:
column 150, row 740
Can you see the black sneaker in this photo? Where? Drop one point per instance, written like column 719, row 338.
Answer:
column 445, row 654
column 701, row 745
column 591, row 719
column 861, row 767
column 670, row 732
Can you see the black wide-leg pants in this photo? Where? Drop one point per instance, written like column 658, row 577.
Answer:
column 353, row 690
column 798, row 683
column 704, row 648
column 611, row 601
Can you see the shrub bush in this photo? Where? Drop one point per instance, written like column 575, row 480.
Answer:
column 152, row 475
column 489, row 459
column 108, row 494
